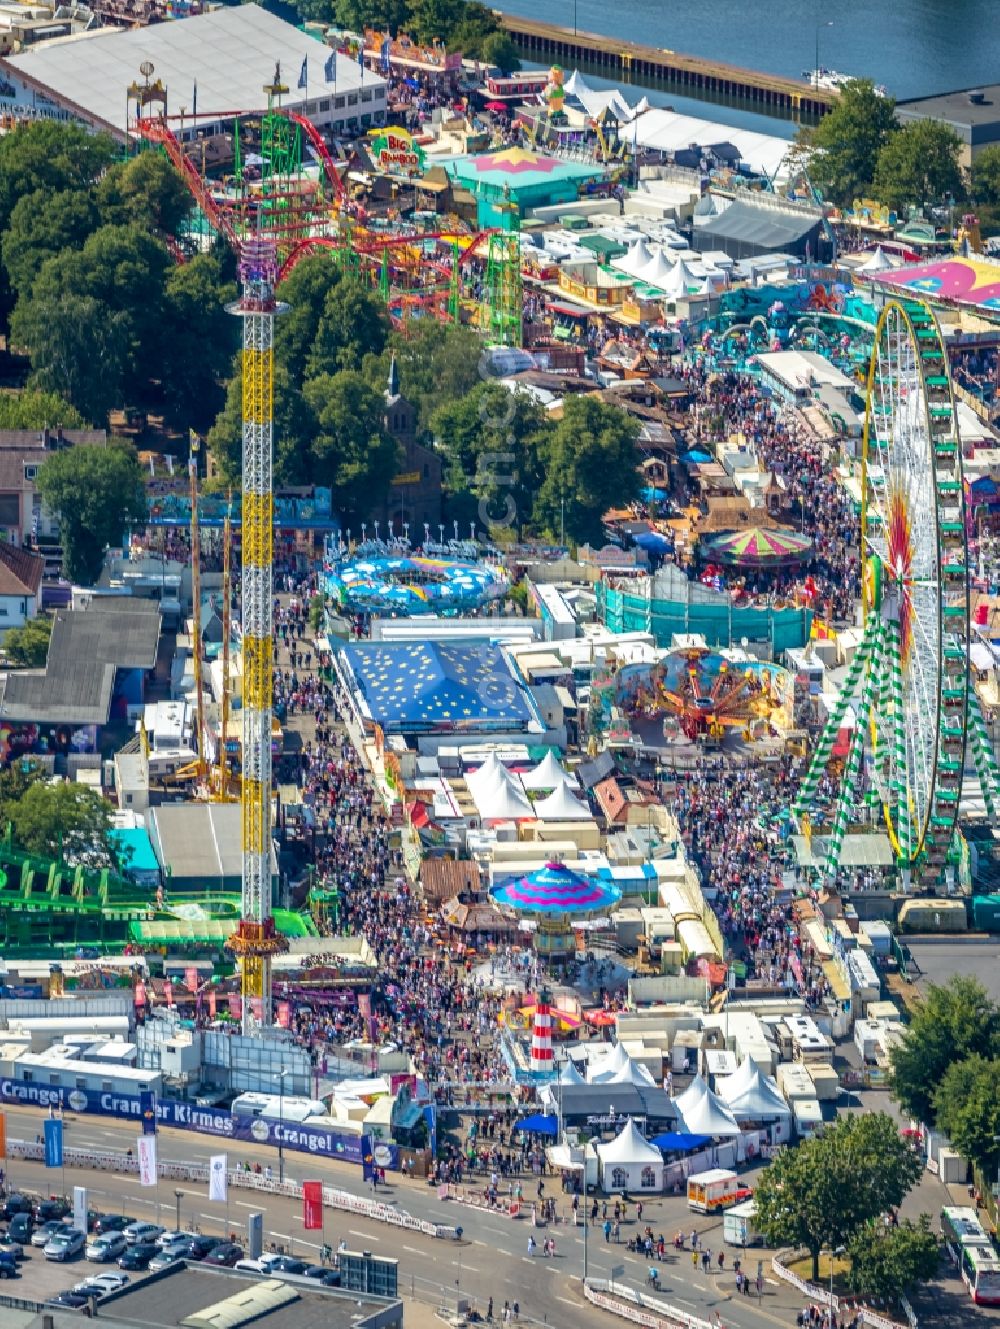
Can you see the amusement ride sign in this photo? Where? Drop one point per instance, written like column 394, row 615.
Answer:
column 395, row 152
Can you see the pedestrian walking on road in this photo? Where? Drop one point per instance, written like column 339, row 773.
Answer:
column 694, row 1259
column 517, row 1310
column 489, row 1309
column 531, row 1245
column 607, row 1229
column 722, row 1260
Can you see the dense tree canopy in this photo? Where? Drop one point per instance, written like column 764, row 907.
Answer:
column 887, row 1262
column 952, row 1022
column 986, row 175
column 967, row 1107
column 34, row 409
column 64, row 820
column 919, row 165
column 821, row 1194
column 27, row 646
column 462, row 24
column 351, row 451
column 590, row 463
column 97, row 492
column 847, row 141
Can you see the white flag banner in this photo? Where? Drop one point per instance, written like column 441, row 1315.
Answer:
column 217, row 1179
column 147, row 1160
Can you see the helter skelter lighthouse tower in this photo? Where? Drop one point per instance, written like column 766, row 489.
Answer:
column 255, row 940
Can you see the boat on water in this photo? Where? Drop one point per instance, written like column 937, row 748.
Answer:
column 832, row 80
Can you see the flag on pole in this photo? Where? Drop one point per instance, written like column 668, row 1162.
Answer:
column 147, row 1110
column 147, row 1160
column 312, row 1205
column 53, row 1142
column 212, row 1003
column 330, row 68
column 385, row 55
column 304, row 73
column 218, row 1180
column 194, row 99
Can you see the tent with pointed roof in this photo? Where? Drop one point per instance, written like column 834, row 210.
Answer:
column 576, row 84
column 700, row 1112
column 617, row 1067
column 502, row 800
column 570, row 1075
column 657, row 270
column 562, row 805
column 751, row 1095
column 487, row 773
column 879, row 262
column 629, row 1162
column 636, row 259
column 548, row 774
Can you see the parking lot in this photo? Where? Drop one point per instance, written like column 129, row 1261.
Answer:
column 41, row 1278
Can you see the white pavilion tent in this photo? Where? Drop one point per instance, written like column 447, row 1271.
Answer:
column 703, row 1113
column 636, row 259
column 562, row 805
column 570, row 1075
column 629, row 1162
column 752, row 1096
column 502, row 799
column 548, row 774
column 879, row 262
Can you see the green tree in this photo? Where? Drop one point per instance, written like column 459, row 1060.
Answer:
column 822, row 1193
column 437, row 363
column 986, row 175
column 952, row 1022
column 201, row 338
column 305, row 292
column 886, row 1263
column 353, row 324
column 590, row 464
column 498, row 49
column 33, row 409
column 42, row 224
column 492, row 441
column 919, row 164
column 15, row 781
column 967, row 1109
column 97, row 493
column 844, row 147
column 147, row 190
column 52, row 156
column 78, row 349
column 435, row 18
column 475, row 25
column 356, row 15
column 63, row 821
column 27, row 647
column 353, row 453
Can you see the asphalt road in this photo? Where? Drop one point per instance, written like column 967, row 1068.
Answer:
column 491, row 1259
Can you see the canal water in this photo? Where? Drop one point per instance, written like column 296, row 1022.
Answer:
column 914, row 47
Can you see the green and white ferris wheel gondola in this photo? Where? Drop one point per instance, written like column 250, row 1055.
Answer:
column 907, row 688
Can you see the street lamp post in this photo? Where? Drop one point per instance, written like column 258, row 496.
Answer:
column 281, row 1123
column 177, row 1197
column 574, row 18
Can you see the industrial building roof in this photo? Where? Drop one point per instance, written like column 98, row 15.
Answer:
column 760, row 228
column 200, row 841
column 229, row 55
column 86, row 649
column 20, row 570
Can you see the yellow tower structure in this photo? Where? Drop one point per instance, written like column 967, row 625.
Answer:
column 256, row 941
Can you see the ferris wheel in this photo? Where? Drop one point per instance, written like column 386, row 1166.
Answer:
column 907, row 689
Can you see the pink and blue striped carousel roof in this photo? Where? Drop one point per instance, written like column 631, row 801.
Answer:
column 556, row 890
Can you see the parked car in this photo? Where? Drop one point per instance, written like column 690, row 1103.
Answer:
column 110, row 1281
column 136, row 1232
column 16, row 1203
column 138, row 1256
column 8, row 1267
column 173, row 1237
column 198, row 1247
column 112, row 1222
column 286, row 1264
column 164, row 1259
column 65, row 1245
column 69, row 1301
column 108, row 1246
column 21, row 1227
column 44, row 1234
column 225, row 1254
column 251, row 1267
column 8, row 1246
column 54, row 1207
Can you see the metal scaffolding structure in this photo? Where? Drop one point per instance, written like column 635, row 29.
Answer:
column 502, row 311
column 256, row 939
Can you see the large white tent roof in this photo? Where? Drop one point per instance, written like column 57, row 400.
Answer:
column 703, row 1113
column 668, row 131
column 499, row 797
column 750, row 1095
column 570, row 1075
column 629, row 1146
column 230, row 54
column 561, row 805
column 548, row 774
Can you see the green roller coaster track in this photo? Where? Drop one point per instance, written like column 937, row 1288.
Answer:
column 50, row 908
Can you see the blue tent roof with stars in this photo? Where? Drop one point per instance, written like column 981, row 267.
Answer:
column 411, row 686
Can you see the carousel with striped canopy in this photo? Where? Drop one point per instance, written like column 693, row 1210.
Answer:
column 907, row 702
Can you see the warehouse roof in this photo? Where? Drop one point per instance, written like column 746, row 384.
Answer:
column 87, row 646
column 228, row 54
column 766, row 228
